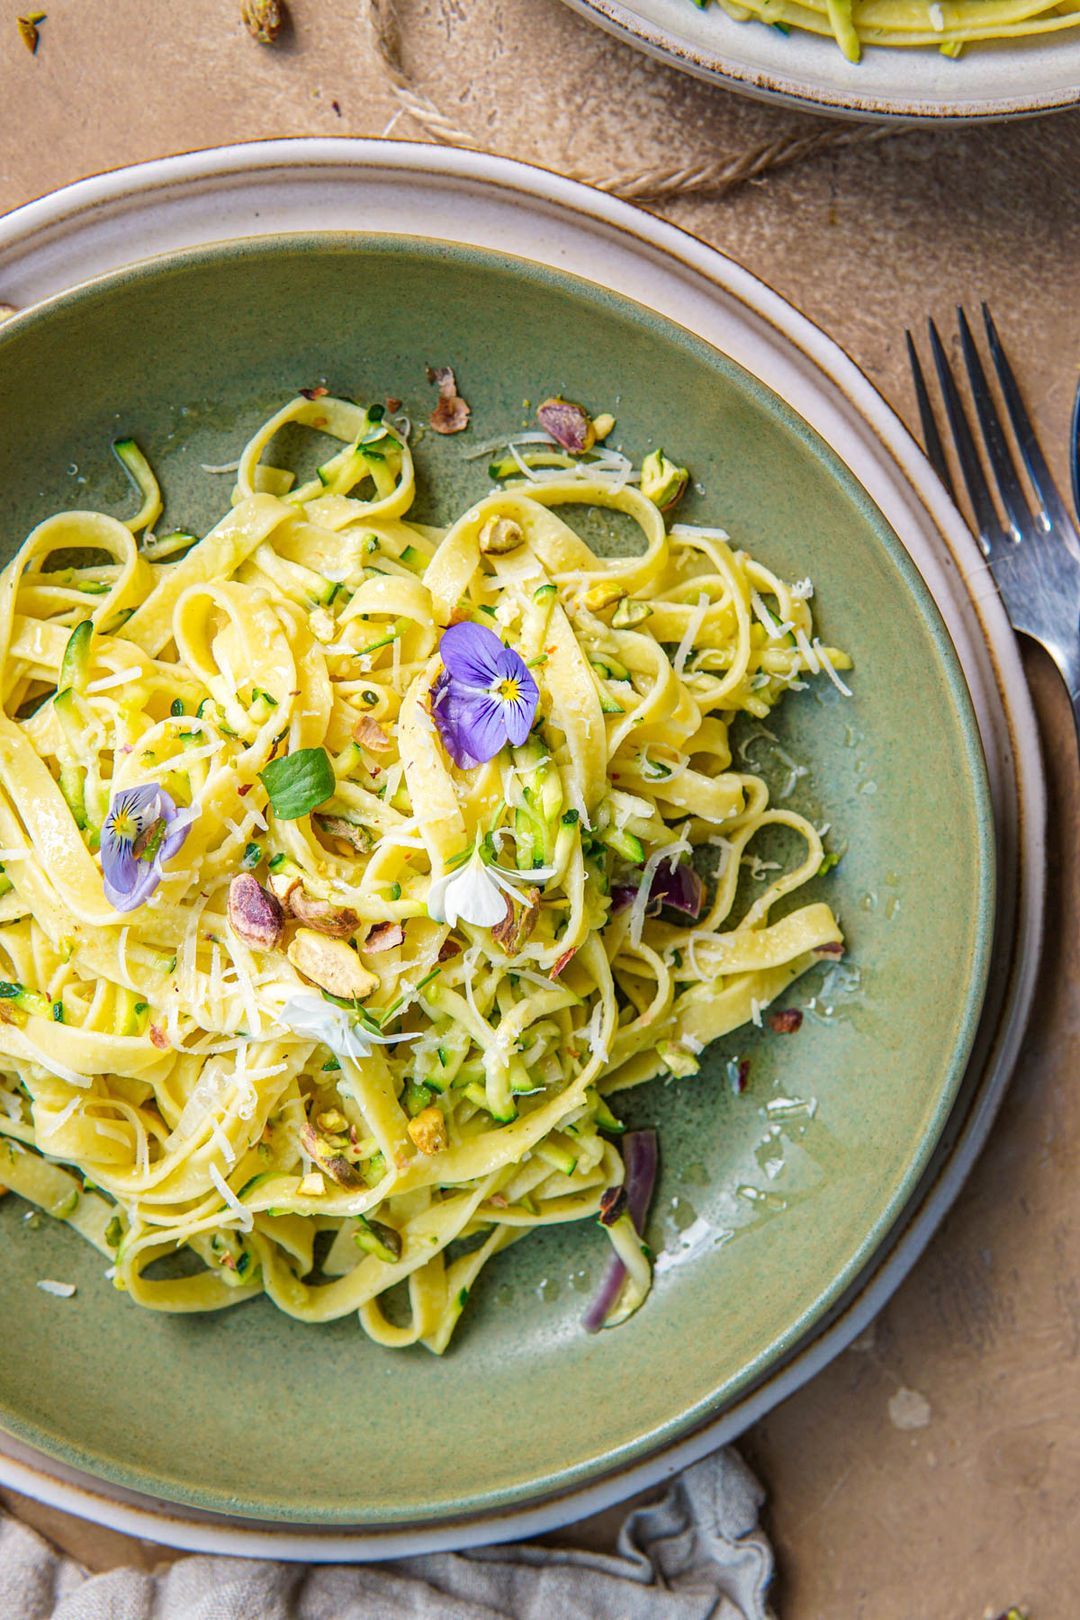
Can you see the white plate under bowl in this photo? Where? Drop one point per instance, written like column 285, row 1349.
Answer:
column 992, row 79
column 386, row 186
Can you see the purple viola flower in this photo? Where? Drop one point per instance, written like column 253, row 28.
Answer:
column 142, row 830
column 484, row 696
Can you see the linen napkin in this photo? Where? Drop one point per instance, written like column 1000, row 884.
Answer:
column 696, row 1554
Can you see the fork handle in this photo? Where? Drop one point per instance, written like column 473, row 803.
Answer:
column 1069, row 665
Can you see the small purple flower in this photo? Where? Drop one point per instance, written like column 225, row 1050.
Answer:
column 142, row 830
column 484, row 697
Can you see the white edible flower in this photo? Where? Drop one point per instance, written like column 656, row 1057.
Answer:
column 474, row 893
column 314, row 1019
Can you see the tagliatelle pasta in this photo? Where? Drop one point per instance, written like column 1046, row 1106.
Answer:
column 947, row 25
column 378, row 966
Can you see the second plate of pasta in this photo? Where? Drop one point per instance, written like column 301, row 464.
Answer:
column 909, row 59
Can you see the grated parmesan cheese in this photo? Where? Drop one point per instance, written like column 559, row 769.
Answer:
column 119, row 677
column 694, row 531
column 810, row 657
column 60, row 1289
column 830, row 669
column 246, row 1218
column 690, row 634
column 61, row 1119
column 774, row 631
column 109, row 1128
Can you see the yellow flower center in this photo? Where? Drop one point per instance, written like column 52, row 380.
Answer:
column 508, row 690
column 123, row 826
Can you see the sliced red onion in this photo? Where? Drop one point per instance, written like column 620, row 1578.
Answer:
column 681, row 889
column 622, row 895
column 641, row 1156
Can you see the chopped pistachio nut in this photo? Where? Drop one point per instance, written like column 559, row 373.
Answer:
column 518, row 923
column 255, row 915
column 568, row 423
column 428, row 1131
column 376, row 1238
column 662, row 482
column 347, row 831
column 384, row 936
column 336, row 1166
column 338, row 921
column 603, row 424
column 602, row 595
column 370, row 735
column 331, row 964
column 282, row 885
column 629, row 612
column 451, row 414
column 499, row 536
column 332, row 1120
column 311, row 1186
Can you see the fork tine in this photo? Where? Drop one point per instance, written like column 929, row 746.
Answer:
column 935, row 450
column 978, row 490
column 1039, row 473
column 1012, row 494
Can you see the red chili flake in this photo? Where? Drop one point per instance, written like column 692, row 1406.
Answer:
column 612, row 1204
column 562, row 962
column 245, row 787
column 833, row 948
column 159, row 1038
column 449, row 948
column 315, row 393
column 319, row 421
column 500, row 1200
column 787, row 1021
column 740, row 1077
column 337, row 107
column 393, row 404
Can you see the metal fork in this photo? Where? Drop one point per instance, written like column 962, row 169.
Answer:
column 1034, row 554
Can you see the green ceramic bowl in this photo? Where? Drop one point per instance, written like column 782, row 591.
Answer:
column 769, row 1203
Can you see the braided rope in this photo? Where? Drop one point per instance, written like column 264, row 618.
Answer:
column 716, row 177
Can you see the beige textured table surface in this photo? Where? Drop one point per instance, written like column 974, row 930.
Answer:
column 979, row 1508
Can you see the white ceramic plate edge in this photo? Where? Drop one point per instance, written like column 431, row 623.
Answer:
column 808, row 73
